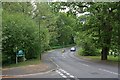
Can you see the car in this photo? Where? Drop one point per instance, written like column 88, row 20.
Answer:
column 73, row 49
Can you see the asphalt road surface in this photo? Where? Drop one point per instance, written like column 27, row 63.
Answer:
column 69, row 66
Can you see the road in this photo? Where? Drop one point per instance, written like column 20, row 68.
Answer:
column 69, row 66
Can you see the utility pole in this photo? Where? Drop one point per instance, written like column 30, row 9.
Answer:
column 39, row 40
column 42, row 17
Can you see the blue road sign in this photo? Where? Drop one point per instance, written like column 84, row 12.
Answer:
column 20, row 53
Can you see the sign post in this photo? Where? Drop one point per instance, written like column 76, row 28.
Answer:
column 19, row 54
column 16, row 60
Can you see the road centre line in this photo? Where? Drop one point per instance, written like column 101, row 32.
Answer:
column 84, row 64
column 104, row 70
column 109, row 71
column 100, row 68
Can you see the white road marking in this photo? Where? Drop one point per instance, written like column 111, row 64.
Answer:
column 61, row 74
column 72, row 76
column 109, row 71
column 61, row 71
column 68, row 74
column 85, row 64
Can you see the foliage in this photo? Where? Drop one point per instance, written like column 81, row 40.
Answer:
column 104, row 22
column 23, row 30
column 18, row 7
column 95, row 31
column 49, row 21
column 64, row 29
column 101, row 24
column 20, row 31
column 59, row 25
column 18, row 34
column 88, row 50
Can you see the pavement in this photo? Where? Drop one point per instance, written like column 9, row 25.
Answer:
column 68, row 66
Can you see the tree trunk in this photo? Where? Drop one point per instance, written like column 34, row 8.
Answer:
column 106, row 41
column 106, row 47
column 104, row 53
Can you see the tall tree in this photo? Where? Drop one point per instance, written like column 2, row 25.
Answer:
column 101, row 25
column 106, row 15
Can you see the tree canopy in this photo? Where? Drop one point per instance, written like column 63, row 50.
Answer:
column 100, row 26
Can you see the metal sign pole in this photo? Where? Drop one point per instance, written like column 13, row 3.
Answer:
column 16, row 59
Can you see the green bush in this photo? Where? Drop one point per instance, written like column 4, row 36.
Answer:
column 21, row 32
column 88, row 50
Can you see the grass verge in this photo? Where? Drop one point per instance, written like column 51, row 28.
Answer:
column 110, row 58
column 25, row 63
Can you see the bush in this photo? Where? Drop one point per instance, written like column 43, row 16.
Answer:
column 88, row 50
column 20, row 32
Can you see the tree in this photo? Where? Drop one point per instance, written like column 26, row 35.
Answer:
column 20, row 31
column 17, row 35
column 101, row 26
column 106, row 16
column 65, row 26
column 18, row 7
column 58, row 30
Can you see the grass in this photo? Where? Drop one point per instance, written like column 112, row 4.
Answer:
column 25, row 63
column 110, row 58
